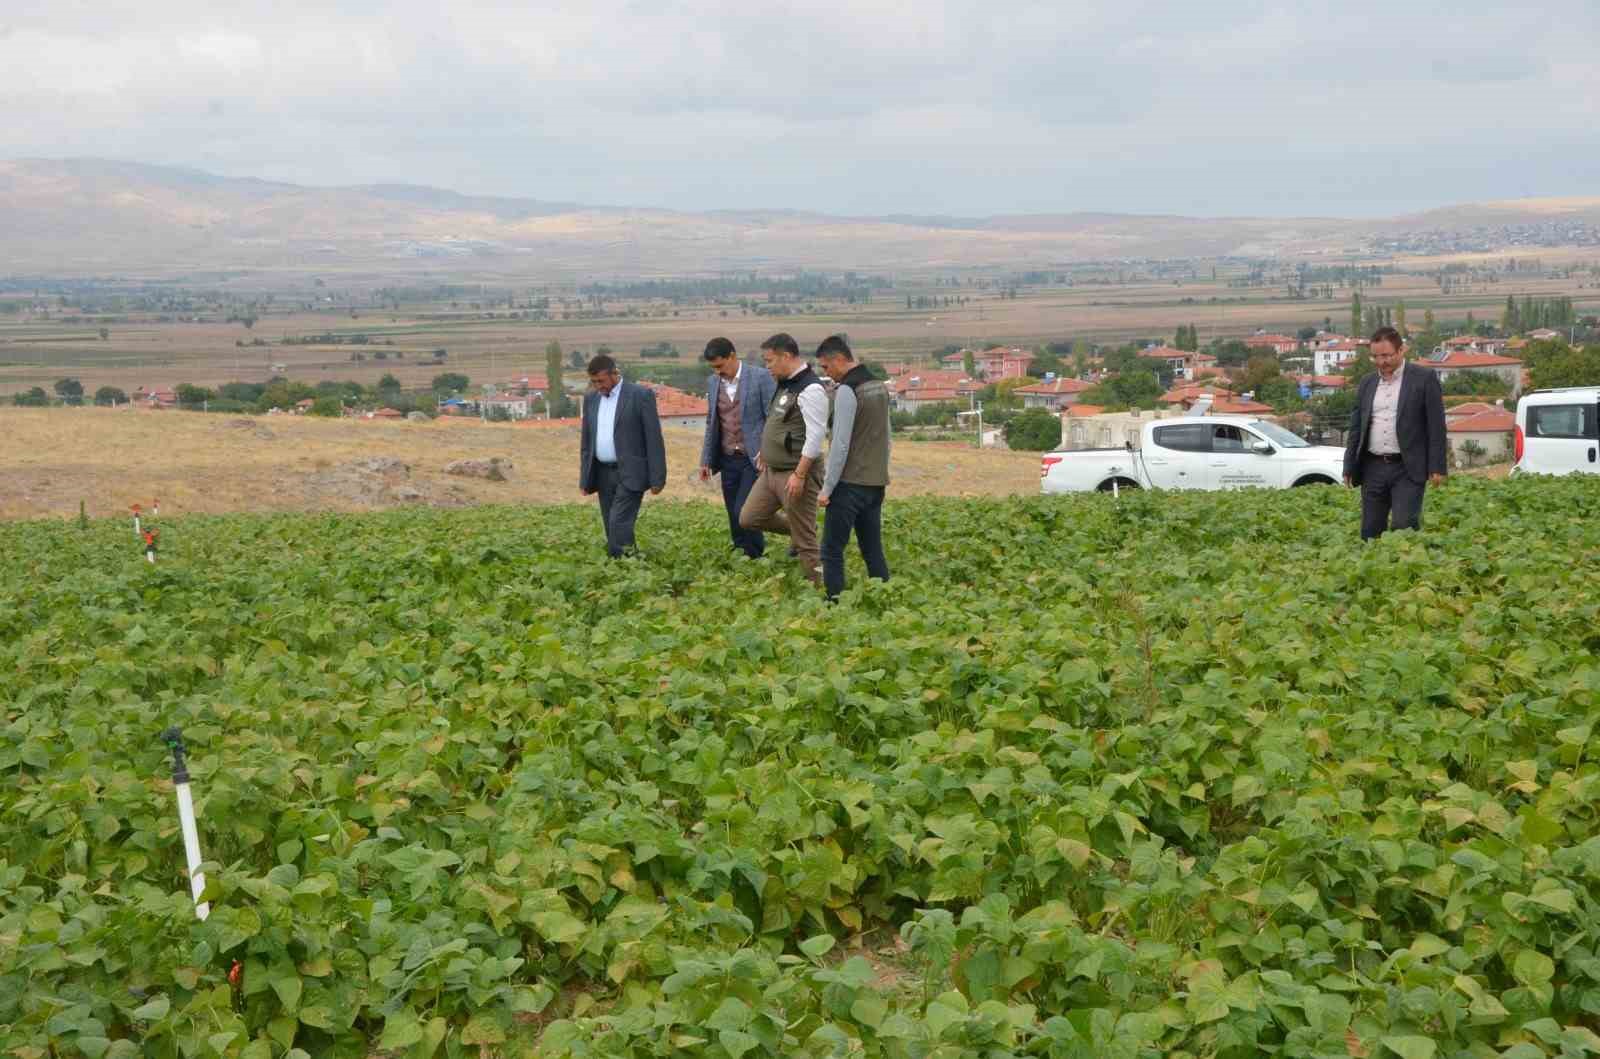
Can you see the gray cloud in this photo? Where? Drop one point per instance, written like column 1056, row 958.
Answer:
column 958, row 106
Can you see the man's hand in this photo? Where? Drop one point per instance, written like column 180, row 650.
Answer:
column 1436, row 479
column 656, row 491
column 761, row 464
column 796, row 486
column 586, row 492
column 1348, row 482
column 822, row 500
column 705, row 473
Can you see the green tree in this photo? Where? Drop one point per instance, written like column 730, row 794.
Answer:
column 1355, row 315
column 450, row 382
column 1565, row 367
column 69, row 390
column 1259, row 370
column 1511, row 317
column 36, row 397
column 1471, row 450
column 1129, row 389
column 388, row 383
column 1428, row 322
column 1400, row 318
column 105, row 334
column 109, row 395
column 1035, row 430
column 329, row 406
column 969, row 363
column 556, row 402
column 192, row 396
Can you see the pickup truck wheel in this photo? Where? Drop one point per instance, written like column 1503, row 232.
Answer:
column 1120, row 484
column 1314, row 479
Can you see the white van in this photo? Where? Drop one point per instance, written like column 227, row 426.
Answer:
column 1558, row 432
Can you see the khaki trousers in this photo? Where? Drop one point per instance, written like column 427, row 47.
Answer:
column 769, row 509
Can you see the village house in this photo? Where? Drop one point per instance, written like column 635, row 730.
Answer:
column 1328, row 358
column 914, row 389
column 1282, row 345
column 1092, row 427
column 677, row 408
column 1184, row 364
column 1449, row 365
column 1320, row 385
column 992, row 365
column 1490, row 426
column 1472, row 344
column 1053, row 394
column 155, row 398
column 508, row 405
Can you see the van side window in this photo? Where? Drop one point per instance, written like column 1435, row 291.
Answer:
column 1184, row 437
column 1562, row 421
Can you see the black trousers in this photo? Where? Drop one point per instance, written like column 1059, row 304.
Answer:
column 738, row 475
column 858, row 508
column 1389, row 498
column 619, row 508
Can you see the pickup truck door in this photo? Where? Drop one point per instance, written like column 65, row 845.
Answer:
column 1175, row 456
column 1234, row 464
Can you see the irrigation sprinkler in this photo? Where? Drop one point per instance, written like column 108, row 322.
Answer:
column 173, row 737
column 149, row 545
column 155, row 508
column 136, row 527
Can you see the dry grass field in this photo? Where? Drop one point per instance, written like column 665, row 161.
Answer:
column 50, row 459
column 142, row 352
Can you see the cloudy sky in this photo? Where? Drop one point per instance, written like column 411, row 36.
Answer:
column 1362, row 107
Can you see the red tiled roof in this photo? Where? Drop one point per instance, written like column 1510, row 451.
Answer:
column 1497, row 421
column 931, row 393
column 1055, row 386
column 388, row 413
column 1469, row 408
column 1469, row 360
column 1271, row 340
column 1083, row 411
column 1239, row 407
column 671, row 401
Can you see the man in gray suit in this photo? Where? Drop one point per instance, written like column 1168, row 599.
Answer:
column 737, row 396
column 1396, row 445
column 620, row 451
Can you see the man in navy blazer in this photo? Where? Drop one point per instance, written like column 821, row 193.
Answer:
column 737, row 398
column 1396, row 444
column 620, row 452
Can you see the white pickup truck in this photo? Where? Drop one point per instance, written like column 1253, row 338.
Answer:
column 1197, row 452
column 1558, row 432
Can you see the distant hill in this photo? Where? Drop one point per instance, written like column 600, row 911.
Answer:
column 97, row 216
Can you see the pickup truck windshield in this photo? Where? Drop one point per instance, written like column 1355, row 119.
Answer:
column 1278, row 436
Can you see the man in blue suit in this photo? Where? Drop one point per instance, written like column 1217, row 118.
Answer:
column 620, row 451
column 737, row 398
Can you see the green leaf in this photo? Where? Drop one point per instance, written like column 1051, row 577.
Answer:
column 819, row 945
column 737, row 1043
column 1533, row 968
column 153, row 1010
column 400, row 1030
column 481, row 1029
column 1409, row 1047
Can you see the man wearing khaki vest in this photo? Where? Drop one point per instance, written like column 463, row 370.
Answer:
column 858, row 466
column 784, row 498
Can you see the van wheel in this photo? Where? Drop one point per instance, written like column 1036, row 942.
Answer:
column 1120, row 485
column 1314, row 479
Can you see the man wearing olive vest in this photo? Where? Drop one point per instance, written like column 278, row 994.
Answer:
column 784, row 498
column 858, row 466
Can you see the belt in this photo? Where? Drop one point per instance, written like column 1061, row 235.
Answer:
column 1384, row 457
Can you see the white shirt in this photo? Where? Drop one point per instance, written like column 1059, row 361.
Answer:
column 605, row 425
column 813, row 401
column 731, row 386
column 1381, row 436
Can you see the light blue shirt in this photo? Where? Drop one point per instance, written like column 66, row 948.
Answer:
column 605, row 426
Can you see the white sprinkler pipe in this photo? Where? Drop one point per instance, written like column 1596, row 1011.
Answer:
column 191, row 835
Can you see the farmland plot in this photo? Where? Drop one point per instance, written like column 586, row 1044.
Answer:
column 1169, row 775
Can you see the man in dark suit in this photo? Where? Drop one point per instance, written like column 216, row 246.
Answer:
column 1396, row 446
column 737, row 396
column 620, row 452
